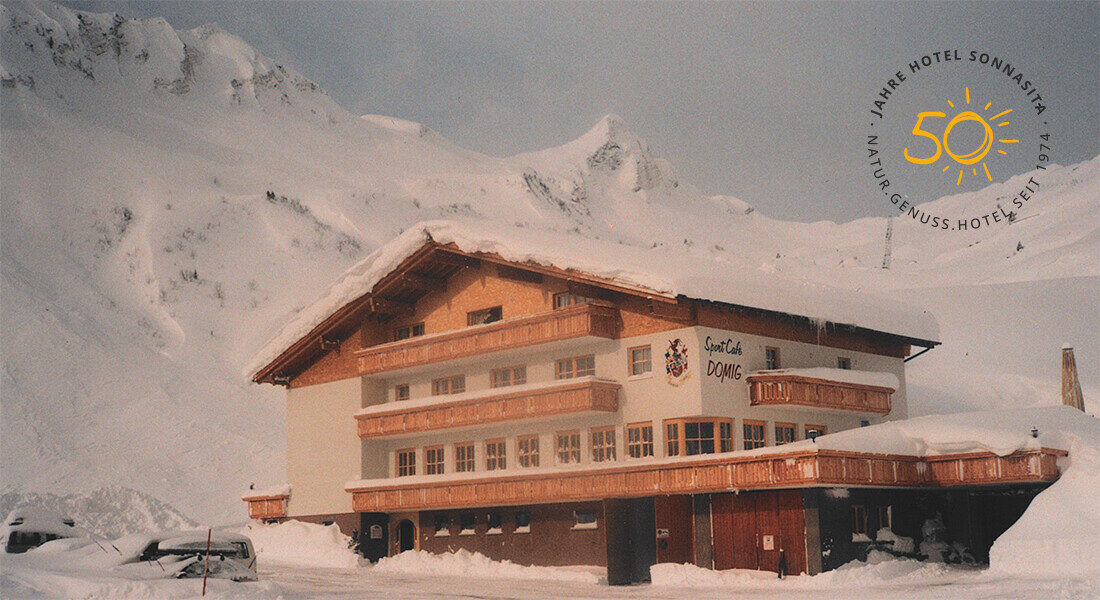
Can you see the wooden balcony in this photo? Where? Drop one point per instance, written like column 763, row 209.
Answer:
column 267, row 506
column 592, row 319
column 565, row 397
column 795, row 390
column 708, row 474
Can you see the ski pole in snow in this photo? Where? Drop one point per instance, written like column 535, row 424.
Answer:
column 206, row 566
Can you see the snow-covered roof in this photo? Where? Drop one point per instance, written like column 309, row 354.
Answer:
column 872, row 378
column 267, row 492
column 671, row 273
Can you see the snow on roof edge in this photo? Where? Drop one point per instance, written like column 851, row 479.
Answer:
column 635, row 268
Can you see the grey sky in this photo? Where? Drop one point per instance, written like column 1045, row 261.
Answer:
column 767, row 101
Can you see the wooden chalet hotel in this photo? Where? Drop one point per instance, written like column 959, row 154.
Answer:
column 554, row 402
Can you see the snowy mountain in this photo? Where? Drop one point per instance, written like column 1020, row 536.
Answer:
column 97, row 512
column 171, row 198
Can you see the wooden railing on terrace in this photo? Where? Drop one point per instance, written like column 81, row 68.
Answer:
column 267, row 507
column 786, row 390
column 591, row 319
column 727, row 473
column 567, row 397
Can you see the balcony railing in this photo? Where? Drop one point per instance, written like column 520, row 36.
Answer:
column 720, row 474
column 267, row 507
column 565, row 397
column 780, row 389
column 592, row 319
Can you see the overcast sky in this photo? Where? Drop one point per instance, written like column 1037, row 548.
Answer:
column 767, row 102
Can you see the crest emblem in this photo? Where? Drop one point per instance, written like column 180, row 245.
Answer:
column 676, row 362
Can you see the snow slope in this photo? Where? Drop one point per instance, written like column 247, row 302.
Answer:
column 172, row 198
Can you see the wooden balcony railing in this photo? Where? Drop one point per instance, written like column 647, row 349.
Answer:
column 795, row 390
column 565, row 397
column 267, row 506
column 725, row 473
column 592, row 319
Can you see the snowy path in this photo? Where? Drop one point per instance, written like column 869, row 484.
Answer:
column 30, row 579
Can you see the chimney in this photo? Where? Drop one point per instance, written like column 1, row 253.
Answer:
column 1071, row 386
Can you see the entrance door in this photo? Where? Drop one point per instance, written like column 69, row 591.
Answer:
column 751, row 528
column 373, row 535
column 406, row 536
column 675, row 524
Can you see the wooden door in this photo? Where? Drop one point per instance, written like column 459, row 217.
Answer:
column 741, row 524
column 673, row 516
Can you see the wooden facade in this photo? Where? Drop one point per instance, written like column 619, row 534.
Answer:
column 805, row 468
column 590, row 319
column 264, row 507
column 781, row 389
column 567, row 397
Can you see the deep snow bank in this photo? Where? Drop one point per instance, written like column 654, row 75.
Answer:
column 301, row 544
column 1059, row 534
column 878, row 568
column 466, row 564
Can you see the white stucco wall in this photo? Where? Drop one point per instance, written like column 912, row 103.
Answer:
column 323, row 448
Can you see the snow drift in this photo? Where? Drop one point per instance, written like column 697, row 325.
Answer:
column 301, row 544
column 464, row 563
column 1059, row 534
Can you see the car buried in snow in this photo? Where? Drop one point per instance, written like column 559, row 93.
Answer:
column 26, row 528
column 186, row 554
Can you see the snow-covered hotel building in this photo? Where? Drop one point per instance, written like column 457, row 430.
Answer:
column 555, row 400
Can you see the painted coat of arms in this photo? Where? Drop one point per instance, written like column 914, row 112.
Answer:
column 676, row 362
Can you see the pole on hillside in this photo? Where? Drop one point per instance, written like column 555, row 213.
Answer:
column 206, row 567
column 1071, row 386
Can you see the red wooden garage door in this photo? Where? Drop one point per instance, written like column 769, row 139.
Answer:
column 752, row 527
column 675, row 529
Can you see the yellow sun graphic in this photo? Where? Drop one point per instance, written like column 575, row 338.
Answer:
column 987, row 144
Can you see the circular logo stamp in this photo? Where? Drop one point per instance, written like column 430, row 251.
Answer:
column 950, row 123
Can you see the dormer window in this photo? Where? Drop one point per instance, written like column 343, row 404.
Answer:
column 485, row 315
column 407, row 331
column 569, row 299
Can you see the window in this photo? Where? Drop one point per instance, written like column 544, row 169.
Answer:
column 523, row 521
column 464, row 457
column 584, row 520
column 527, row 450
column 813, row 431
column 784, row 433
column 672, row 439
column 754, row 434
column 843, row 362
column 569, row 299
column 569, row 447
column 401, row 392
column 578, row 366
column 495, row 523
column 771, row 358
column 641, row 361
column 455, row 384
column 485, row 315
column 886, row 517
column 406, row 462
column 467, row 523
column 408, row 331
column 508, row 376
column 433, row 460
column 700, row 436
column 442, row 524
column 603, row 444
column 859, row 523
column 639, row 440
column 495, row 455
